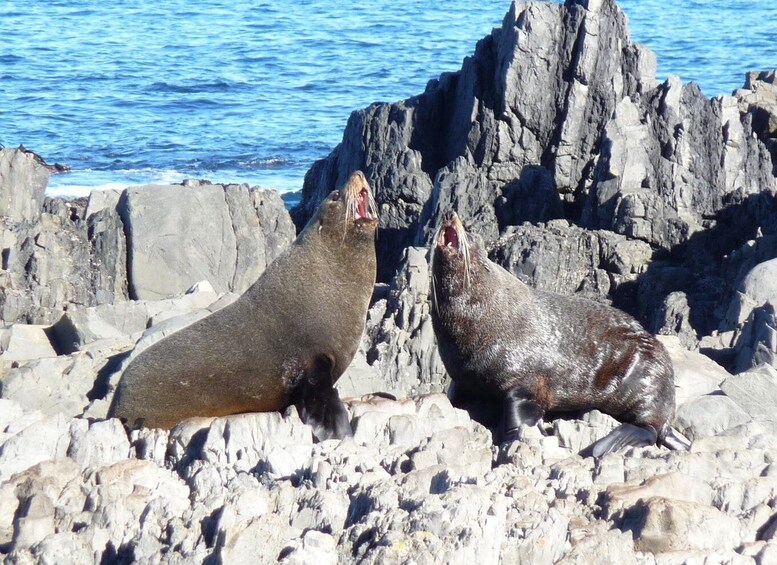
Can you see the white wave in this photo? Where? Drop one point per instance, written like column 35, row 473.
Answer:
column 79, row 190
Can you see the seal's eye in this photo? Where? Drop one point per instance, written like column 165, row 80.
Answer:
column 335, row 196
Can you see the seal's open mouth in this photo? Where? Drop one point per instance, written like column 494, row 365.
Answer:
column 451, row 233
column 450, row 238
column 452, row 249
column 360, row 205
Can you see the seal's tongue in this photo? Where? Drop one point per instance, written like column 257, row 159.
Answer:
column 361, row 206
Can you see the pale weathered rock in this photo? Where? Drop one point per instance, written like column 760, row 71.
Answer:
column 316, row 547
column 208, row 235
column 42, row 440
column 662, row 525
column 399, row 345
column 23, row 342
column 674, row 486
column 98, row 444
column 171, row 248
column 709, row 415
column 555, row 120
column 55, row 385
column 755, row 391
column 694, row 374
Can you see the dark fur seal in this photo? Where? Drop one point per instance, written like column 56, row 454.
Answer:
column 285, row 341
column 536, row 352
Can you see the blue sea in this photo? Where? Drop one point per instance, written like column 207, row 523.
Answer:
column 133, row 92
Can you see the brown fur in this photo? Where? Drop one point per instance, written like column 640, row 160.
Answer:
column 298, row 325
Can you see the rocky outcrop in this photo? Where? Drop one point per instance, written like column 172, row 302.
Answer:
column 759, row 99
column 145, row 242
column 556, row 120
column 223, row 234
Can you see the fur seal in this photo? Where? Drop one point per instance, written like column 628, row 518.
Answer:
column 285, row 341
column 536, row 352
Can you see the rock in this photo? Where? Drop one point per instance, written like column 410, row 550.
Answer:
column 56, row 385
column 47, row 265
column 755, row 391
column 263, row 230
column 86, row 254
column 171, row 248
column 709, row 415
column 23, row 342
column 583, row 175
column 694, row 374
column 563, row 258
column 316, row 547
column 108, row 251
column 617, row 546
column 261, row 539
column 531, row 100
column 759, row 99
column 42, row 440
column 98, row 444
column 767, row 554
column 23, row 182
column 400, row 345
column 674, row 486
column 112, row 325
column 205, row 236
column 660, row 525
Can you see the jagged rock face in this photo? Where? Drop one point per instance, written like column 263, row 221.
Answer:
column 668, row 163
column 521, row 119
column 19, row 168
column 759, row 99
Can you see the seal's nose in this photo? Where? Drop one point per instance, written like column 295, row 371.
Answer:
column 450, row 217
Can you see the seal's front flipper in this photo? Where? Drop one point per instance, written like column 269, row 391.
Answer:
column 675, row 440
column 321, row 408
column 517, row 410
column 623, row 436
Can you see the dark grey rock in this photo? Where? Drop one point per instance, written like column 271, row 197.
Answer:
column 563, row 258
column 759, row 99
column 23, row 182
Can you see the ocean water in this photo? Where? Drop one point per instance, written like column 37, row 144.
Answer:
column 137, row 92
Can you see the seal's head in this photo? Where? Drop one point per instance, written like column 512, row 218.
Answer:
column 456, row 256
column 349, row 212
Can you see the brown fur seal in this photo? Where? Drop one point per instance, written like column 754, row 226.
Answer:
column 285, row 341
column 537, row 352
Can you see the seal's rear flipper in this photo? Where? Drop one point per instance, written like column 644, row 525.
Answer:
column 623, row 436
column 675, row 440
column 321, row 408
